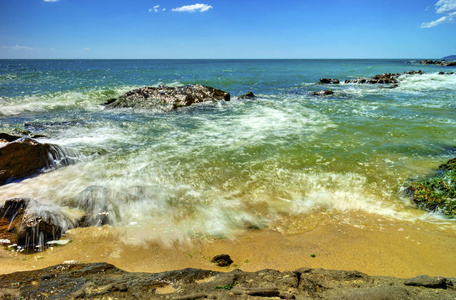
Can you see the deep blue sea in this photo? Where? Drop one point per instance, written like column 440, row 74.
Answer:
column 217, row 168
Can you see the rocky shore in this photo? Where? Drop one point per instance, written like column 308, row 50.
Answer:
column 105, row 281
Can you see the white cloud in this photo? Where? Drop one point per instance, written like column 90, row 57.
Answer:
column 155, row 9
column 193, row 8
column 17, row 47
column 447, row 7
column 51, row 0
column 86, row 49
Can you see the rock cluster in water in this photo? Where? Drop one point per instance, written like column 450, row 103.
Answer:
column 438, row 62
column 105, row 281
column 167, row 98
column 437, row 193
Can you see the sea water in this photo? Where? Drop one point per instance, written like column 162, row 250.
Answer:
column 217, row 168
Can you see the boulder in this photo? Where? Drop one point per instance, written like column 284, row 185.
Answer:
column 385, row 78
column 24, row 157
column 30, row 225
column 322, row 93
column 167, row 98
column 437, row 193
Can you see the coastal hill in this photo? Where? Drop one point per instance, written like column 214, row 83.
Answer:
column 450, row 57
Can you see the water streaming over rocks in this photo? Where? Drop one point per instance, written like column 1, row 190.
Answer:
column 217, row 168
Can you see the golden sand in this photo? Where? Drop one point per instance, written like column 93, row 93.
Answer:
column 386, row 248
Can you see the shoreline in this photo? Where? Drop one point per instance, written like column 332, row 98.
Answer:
column 394, row 248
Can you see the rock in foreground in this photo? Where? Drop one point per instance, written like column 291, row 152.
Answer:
column 104, row 281
column 24, row 157
column 29, row 224
column 167, row 98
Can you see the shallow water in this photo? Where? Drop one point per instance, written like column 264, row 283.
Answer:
column 215, row 169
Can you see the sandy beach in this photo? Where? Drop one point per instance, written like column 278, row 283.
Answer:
column 386, row 248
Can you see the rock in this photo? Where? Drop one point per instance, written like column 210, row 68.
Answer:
column 222, row 260
column 8, row 138
column 105, row 281
column 167, row 98
column 438, row 62
column 248, row 95
column 322, row 93
column 95, row 202
column 24, row 157
column 429, row 282
column 31, row 225
column 437, row 193
column 386, row 78
column 329, row 81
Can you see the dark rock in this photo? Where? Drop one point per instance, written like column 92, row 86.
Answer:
column 31, row 225
column 329, row 81
column 429, row 282
column 322, row 93
column 8, row 138
column 104, row 281
column 419, row 72
column 437, row 192
column 386, row 78
column 222, row 260
column 438, row 62
column 167, row 98
column 248, row 95
column 24, row 157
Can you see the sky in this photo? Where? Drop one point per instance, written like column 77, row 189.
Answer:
column 177, row 29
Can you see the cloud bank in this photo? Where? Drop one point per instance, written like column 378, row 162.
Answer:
column 193, row 8
column 447, row 7
column 17, row 47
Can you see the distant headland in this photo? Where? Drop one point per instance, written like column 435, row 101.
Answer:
column 450, row 57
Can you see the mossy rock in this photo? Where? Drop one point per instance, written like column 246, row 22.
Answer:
column 437, row 193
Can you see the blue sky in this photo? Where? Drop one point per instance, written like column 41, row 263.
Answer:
column 227, row 29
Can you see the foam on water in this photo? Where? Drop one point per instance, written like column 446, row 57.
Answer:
column 214, row 169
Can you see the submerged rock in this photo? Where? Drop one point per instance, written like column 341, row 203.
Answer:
column 104, row 281
column 30, row 225
column 437, row 193
column 24, row 157
column 322, row 93
column 167, row 98
column 95, row 202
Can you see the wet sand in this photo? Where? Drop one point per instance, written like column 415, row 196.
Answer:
column 385, row 248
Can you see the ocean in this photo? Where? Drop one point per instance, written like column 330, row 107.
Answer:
column 286, row 161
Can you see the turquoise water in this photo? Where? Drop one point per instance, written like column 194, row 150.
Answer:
column 218, row 168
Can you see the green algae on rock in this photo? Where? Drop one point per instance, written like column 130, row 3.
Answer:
column 437, row 193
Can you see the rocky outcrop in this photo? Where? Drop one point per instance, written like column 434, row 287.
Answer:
column 104, row 281
column 167, row 98
column 24, row 157
column 329, row 81
column 437, row 193
column 385, row 78
column 322, row 93
column 29, row 225
column 438, row 62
